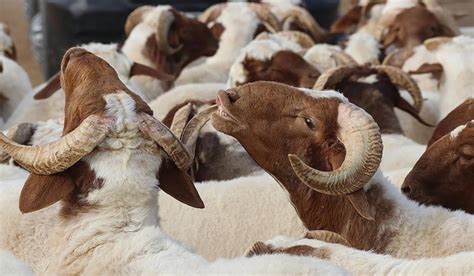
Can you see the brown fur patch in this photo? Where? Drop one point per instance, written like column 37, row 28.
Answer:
column 285, row 67
column 458, row 116
column 348, row 20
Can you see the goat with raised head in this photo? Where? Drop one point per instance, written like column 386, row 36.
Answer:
column 106, row 170
column 330, row 170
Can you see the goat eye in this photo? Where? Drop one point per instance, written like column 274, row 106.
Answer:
column 309, row 123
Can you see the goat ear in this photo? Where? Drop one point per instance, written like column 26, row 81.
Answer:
column 390, row 36
column 360, row 203
column 48, row 90
column 11, row 53
column 179, row 185
column 41, row 191
column 351, row 18
column 217, row 29
column 408, row 108
column 435, row 69
column 138, row 69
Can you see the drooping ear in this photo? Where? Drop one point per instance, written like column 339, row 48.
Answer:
column 179, row 185
column 447, row 31
column 360, row 203
column 435, row 69
column 390, row 36
column 350, row 19
column 138, row 69
column 41, row 191
column 53, row 85
column 217, row 29
column 11, row 52
column 402, row 104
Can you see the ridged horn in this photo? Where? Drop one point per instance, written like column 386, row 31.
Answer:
column 161, row 35
column 317, row 32
column 266, row 16
column 163, row 137
column 361, row 137
column 20, row 134
column 330, row 78
column 180, row 119
column 398, row 57
column 299, row 37
column 327, row 236
column 403, row 80
column 191, row 131
column 135, row 17
column 433, row 43
column 61, row 154
column 211, row 13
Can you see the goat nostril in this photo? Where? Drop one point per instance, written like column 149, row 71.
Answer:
column 406, row 190
column 232, row 96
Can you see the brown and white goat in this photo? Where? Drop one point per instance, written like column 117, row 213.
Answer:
column 413, row 26
column 167, row 40
column 444, row 174
column 107, row 170
column 325, row 153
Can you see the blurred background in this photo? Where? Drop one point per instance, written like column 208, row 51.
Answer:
column 44, row 29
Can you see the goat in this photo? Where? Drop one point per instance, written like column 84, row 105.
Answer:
column 340, row 189
column 165, row 39
column 235, row 24
column 106, row 170
column 444, row 173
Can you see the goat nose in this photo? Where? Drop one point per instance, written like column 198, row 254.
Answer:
column 406, row 190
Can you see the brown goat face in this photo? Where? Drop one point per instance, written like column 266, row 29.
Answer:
column 444, row 175
column 197, row 39
column 272, row 120
column 285, row 67
column 413, row 26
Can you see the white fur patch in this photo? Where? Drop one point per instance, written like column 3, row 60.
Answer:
column 455, row 133
column 324, row 94
column 363, row 47
column 321, row 57
column 6, row 42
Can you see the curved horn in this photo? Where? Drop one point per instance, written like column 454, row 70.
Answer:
column 211, row 13
column 342, row 58
column 135, row 17
column 20, row 134
column 266, row 16
column 164, row 25
column 403, row 80
column 180, row 118
column 398, row 57
column 191, row 131
column 327, row 236
column 158, row 132
column 59, row 155
column 299, row 37
column 317, row 32
column 361, row 136
column 333, row 76
column 433, row 43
